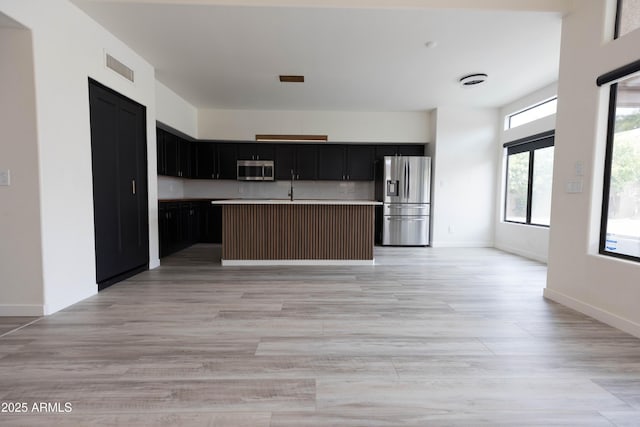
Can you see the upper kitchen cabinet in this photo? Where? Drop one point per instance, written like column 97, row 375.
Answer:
column 185, row 158
column 255, row 151
column 214, row 160
column 226, row 158
column 171, row 154
column 399, row 150
column 205, row 160
column 299, row 161
column 346, row 162
column 161, row 150
column 360, row 163
column 411, row 150
column 175, row 157
column 331, row 163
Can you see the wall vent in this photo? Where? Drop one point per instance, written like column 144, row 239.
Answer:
column 119, row 67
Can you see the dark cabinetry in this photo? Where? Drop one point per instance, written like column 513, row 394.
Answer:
column 331, row 163
column 205, row 160
column 359, row 162
column 301, row 161
column 217, row 159
column 175, row 157
column 346, row 162
column 210, row 223
column 255, row 151
column 399, row 150
column 226, row 160
column 179, row 225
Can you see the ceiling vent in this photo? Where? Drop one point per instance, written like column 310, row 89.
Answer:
column 473, row 79
column 119, row 67
column 292, row 79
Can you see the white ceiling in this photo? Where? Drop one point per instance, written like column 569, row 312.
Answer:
column 354, row 56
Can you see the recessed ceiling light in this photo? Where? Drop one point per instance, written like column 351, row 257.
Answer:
column 473, row 79
column 431, row 44
column 292, row 79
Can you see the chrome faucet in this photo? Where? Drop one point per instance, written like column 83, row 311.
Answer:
column 291, row 189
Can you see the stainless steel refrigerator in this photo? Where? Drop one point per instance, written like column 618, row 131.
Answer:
column 406, row 189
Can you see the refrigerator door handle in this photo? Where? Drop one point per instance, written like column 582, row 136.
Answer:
column 406, row 180
column 409, row 179
column 423, row 218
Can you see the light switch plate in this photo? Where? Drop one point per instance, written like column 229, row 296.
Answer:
column 5, row 177
column 574, row 187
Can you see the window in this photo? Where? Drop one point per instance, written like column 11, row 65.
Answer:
column 620, row 230
column 627, row 17
column 529, row 114
column 529, row 179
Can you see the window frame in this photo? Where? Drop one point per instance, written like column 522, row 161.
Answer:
column 529, row 144
column 531, row 107
column 616, row 26
column 608, row 166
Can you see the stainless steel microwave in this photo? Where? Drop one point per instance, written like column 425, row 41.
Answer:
column 255, row 170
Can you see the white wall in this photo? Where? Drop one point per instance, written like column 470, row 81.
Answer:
column 600, row 286
column 174, row 111
column 21, row 281
column 525, row 240
column 464, row 178
column 68, row 47
column 340, row 126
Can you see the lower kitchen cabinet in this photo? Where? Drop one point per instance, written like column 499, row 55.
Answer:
column 210, row 223
column 182, row 224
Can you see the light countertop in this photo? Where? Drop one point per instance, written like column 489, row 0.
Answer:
column 296, row 202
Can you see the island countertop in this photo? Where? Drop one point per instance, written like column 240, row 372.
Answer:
column 296, row 202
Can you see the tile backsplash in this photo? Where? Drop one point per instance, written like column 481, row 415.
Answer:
column 176, row 188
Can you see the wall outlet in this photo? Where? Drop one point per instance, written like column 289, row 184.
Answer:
column 5, row 177
column 451, row 229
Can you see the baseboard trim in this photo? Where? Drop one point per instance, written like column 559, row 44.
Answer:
column 461, row 244
column 604, row 316
column 526, row 254
column 19, row 310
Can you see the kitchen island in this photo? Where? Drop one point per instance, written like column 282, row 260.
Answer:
column 298, row 232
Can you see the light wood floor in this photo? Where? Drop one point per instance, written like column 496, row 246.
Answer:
column 427, row 337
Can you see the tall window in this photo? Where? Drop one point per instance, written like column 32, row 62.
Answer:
column 620, row 231
column 529, row 178
column 627, row 17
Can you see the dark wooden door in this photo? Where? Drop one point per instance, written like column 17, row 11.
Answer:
column 118, row 144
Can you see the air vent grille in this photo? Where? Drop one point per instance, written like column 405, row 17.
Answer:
column 119, row 68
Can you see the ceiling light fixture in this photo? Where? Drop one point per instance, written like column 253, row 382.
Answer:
column 292, row 79
column 473, row 79
column 431, row 44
